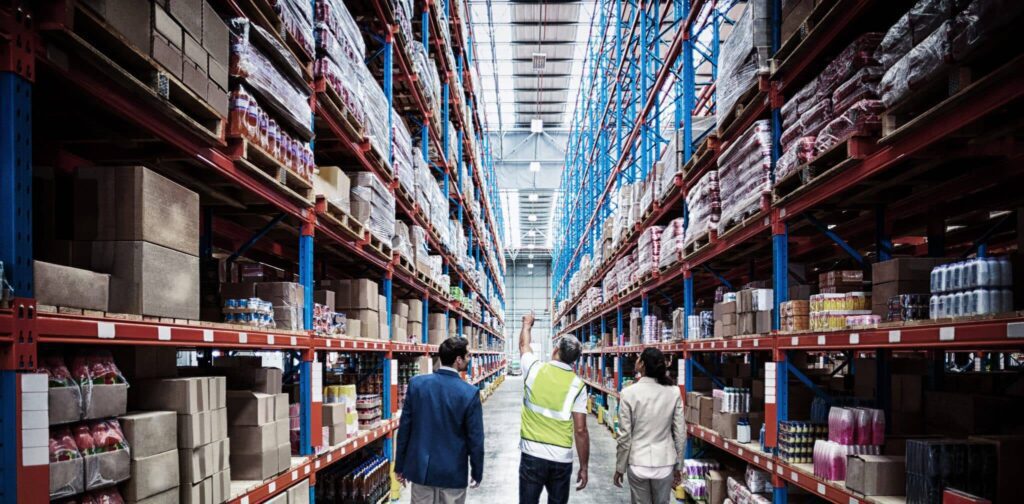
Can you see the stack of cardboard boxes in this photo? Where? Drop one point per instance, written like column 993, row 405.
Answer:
column 334, row 185
column 153, row 438
column 437, row 329
column 186, row 37
column 725, row 319
column 288, row 299
column 141, row 229
column 340, row 420
column 903, row 275
column 794, row 316
column 699, row 409
column 258, row 429
column 754, row 311
column 203, row 448
column 361, row 302
column 414, row 319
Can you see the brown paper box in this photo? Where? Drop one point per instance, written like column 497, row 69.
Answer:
column 150, row 433
column 102, row 469
column 189, row 13
column 876, row 474
column 253, row 438
column 255, row 466
column 284, row 457
column 195, row 429
column 147, row 279
column 103, row 401
column 172, row 496
column 152, row 475
column 65, row 404
column 905, row 269
column 250, row 408
column 215, row 35
column 71, row 287
column 181, row 395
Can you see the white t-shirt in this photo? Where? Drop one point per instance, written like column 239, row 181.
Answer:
column 541, row 450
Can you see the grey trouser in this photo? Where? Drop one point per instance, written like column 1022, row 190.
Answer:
column 649, row 491
column 422, row 494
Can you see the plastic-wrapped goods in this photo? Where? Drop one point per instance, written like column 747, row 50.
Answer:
column 704, row 204
column 66, row 464
column 699, row 468
column 739, row 493
column 816, row 116
column 912, row 28
column 918, row 68
column 297, row 21
column 977, row 286
column 334, row 16
column 744, row 173
column 96, row 373
column 906, row 307
column 842, row 427
column 105, row 452
column 981, row 20
column 860, row 119
column 858, row 54
column 272, row 72
column 799, row 103
column 373, row 203
column 649, row 249
column 830, row 458
column 253, row 312
column 863, row 85
column 855, row 321
column 797, row 154
column 64, row 389
column 758, row 481
column 696, row 488
column 401, row 241
column 403, row 154
column 672, row 244
column 936, row 464
column 427, row 71
column 248, row 120
column 743, row 55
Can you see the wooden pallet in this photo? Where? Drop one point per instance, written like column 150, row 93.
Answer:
column 377, row 245
column 699, row 242
column 837, row 158
column 379, row 158
column 258, row 161
column 403, row 263
column 919, row 101
column 328, row 99
column 704, row 152
column 132, row 317
column 742, row 220
column 745, row 105
column 100, row 47
column 672, row 265
column 340, row 218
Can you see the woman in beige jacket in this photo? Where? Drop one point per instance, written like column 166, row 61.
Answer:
column 651, row 433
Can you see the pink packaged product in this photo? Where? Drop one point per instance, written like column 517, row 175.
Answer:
column 744, row 173
column 798, row 153
column 842, row 426
column 103, row 496
column 829, row 458
column 861, row 119
column 797, row 104
column 858, row 54
column 705, row 206
column 854, row 321
column 817, row 116
column 863, row 85
column 672, row 238
column 648, row 249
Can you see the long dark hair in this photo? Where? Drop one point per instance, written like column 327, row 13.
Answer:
column 654, row 366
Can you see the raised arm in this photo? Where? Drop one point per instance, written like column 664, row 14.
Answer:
column 525, row 333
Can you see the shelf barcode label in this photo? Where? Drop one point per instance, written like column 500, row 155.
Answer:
column 1015, row 330
column 794, row 341
column 854, row 338
column 821, row 339
column 105, row 330
column 270, row 339
column 821, row 488
column 163, row 333
column 895, row 336
column 243, row 338
column 947, row 333
column 272, row 486
column 208, row 335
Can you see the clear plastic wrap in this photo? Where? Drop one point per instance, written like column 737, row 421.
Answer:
column 103, row 386
column 649, row 249
column 742, row 56
column 64, row 391
column 744, row 172
column 861, row 119
column 672, row 243
column 334, row 16
column 427, row 71
column 247, row 119
column 912, row 28
column 979, row 21
column 376, row 106
column 376, row 202
column 758, row 481
column 251, row 62
column 297, row 21
column 798, row 153
column 106, row 454
column 917, row 68
column 403, row 154
column 863, row 85
column 859, row 54
column 66, row 464
column 704, row 207
column 802, row 100
column 816, row 117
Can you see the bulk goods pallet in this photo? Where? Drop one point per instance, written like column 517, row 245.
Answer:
column 76, row 93
column 910, row 190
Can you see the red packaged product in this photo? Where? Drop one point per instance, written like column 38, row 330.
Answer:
column 861, row 119
column 859, row 54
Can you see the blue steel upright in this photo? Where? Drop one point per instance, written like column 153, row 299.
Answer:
column 306, row 366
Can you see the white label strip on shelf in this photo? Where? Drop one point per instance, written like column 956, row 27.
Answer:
column 208, row 335
column 757, row 460
column 1015, row 330
column 947, row 333
column 795, row 476
column 895, row 336
column 294, row 341
column 853, row 500
column 821, row 488
column 243, row 338
column 780, row 470
column 394, row 371
column 316, row 465
column 244, row 500
column 295, row 475
column 854, row 338
column 795, row 341
column 163, row 333
column 329, row 343
column 105, row 330
column 270, row 339
column 821, row 339
column 757, row 342
column 768, row 464
column 318, row 381
column 272, row 487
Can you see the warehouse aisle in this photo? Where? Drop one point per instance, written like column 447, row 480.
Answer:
column 501, row 466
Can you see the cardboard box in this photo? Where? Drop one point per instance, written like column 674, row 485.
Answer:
column 66, row 478
column 152, row 475
column 181, row 395
column 402, row 309
column 284, row 457
column 334, row 413
column 436, row 337
column 716, row 484
column 215, row 35
column 255, row 466
column 145, row 278
column 299, row 493
column 65, row 404
column 281, row 402
column 144, row 362
column 189, row 13
column 278, row 499
column 172, row 496
column 415, row 310
column 745, row 323
column 199, row 493
column 353, row 328
column 905, row 269
column 195, row 429
column 725, row 423
column 763, row 321
column 197, row 464
column 720, row 309
column 221, row 483
column 71, row 287
column 150, row 433
column 281, row 293
column 104, row 401
column 324, row 297
column 250, row 408
column 129, row 17
column 358, row 294
column 1009, row 465
column 437, row 322
column 253, row 438
column 705, row 411
column 104, row 469
column 147, row 207
column 876, row 474
column 369, row 322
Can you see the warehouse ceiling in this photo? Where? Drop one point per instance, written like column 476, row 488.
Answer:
column 530, row 56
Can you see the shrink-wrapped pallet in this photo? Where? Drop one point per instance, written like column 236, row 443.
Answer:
column 649, row 250
column 861, row 119
column 672, row 243
column 743, row 55
column 918, row 68
column 704, row 206
column 744, row 172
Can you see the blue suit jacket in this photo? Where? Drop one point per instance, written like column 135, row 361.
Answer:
column 442, row 428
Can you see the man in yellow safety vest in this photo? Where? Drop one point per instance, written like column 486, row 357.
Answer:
column 554, row 415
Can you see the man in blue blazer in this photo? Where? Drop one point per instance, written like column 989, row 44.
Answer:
column 442, row 428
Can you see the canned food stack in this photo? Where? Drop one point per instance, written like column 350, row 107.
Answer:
column 253, row 312
column 837, row 311
column 978, row 286
column 797, row 439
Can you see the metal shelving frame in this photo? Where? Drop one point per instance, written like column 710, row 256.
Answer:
column 26, row 37
column 610, row 139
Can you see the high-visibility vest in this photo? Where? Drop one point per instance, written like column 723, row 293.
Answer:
column 547, row 404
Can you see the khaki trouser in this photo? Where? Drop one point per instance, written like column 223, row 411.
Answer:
column 649, row 491
column 422, row 494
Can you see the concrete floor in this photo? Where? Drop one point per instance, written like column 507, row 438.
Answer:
column 501, row 465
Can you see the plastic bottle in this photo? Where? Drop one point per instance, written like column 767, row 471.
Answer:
column 743, row 431
column 1005, row 272
column 935, row 282
column 984, row 272
column 969, row 275
column 982, row 306
column 958, row 303
column 1006, row 300
column 933, row 307
column 995, row 301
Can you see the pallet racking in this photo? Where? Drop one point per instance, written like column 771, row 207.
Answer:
column 59, row 63
column 879, row 201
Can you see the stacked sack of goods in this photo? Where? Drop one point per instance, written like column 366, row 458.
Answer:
column 744, row 175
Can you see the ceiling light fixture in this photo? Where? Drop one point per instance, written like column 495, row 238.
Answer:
column 533, row 197
column 540, row 60
column 536, row 126
column 531, row 256
column 535, row 166
column 530, row 265
column 532, row 218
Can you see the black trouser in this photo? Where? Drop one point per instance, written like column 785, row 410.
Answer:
column 536, row 474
